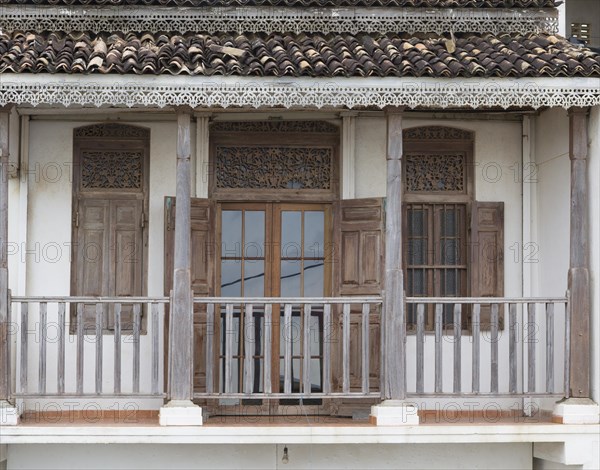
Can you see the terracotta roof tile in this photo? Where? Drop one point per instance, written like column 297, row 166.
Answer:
column 306, row 3
column 312, row 55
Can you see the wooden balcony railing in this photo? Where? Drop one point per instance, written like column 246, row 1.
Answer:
column 505, row 347
column 307, row 339
column 53, row 330
column 291, row 347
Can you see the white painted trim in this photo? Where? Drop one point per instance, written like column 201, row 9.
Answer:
column 348, row 154
column 202, row 154
column 290, row 434
column 248, row 19
column 302, row 92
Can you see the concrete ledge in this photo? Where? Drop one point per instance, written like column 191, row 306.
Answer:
column 394, row 413
column 180, row 413
column 576, row 411
column 9, row 415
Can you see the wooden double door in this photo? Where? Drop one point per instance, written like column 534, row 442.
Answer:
column 272, row 249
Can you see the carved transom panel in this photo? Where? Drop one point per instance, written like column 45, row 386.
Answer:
column 113, row 130
column 436, row 133
column 274, row 126
column 435, row 172
column 111, row 169
column 273, row 167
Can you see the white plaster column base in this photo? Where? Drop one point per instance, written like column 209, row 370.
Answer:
column 9, row 415
column 394, row 413
column 180, row 413
column 576, row 411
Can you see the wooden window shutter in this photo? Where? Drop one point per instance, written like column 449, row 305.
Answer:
column 109, row 256
column 359, row 246
column 202, row 270
column 359, row 271
column 487, row 254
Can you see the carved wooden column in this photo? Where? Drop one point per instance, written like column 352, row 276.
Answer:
column 394, row 410
column 579, row 276
column 394, row 321
column 180, row 410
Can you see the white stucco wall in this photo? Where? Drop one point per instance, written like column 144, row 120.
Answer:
column 397, row 456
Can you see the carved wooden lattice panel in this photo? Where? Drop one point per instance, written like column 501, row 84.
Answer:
column 273, row 167
column 435, row 172
column 111, row 169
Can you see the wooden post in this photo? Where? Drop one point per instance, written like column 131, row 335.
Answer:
column 181, row 321
column 4, row 326
column 394, row 359
column 579, row 277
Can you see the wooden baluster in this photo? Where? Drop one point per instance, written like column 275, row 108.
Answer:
column 457, row 347
column 24, row 345
column 420, row 347
column 438, row 348
column 137, row 326
column 327, row 349
column 229, row 333
column 80, row 349
column 512, row 348
column 249, row 350
column 287, row 358
column 346, row 348
column 306, row 381
column 99, row 328
column 210, row 352
column 476, row 359
column 117, row 358
column 60, row 359
column 366, row 310
column 531, row 338
column 550, row 347
column 267, row 347
column 155, row 348
column 494, row 352
column 42, row 348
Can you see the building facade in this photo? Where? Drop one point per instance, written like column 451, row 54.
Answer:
column 346, row 234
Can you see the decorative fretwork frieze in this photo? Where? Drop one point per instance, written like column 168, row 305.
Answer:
column 432, row 173
column 274, row 127
column 436, row 133
column 113, row 131
column 111, row 169
column 273, row 167
column 159, row 92
column 279, row 19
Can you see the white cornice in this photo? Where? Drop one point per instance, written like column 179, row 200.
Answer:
column 251, row 92
column 277, row 19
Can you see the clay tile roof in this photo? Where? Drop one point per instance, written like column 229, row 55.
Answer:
column 311, row 55
column 307, row 3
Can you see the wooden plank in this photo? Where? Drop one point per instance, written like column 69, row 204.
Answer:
column 181, row 321
column 137, row 327
column 249, row 344
column 80, row 348
column 117, row 356
column 512, row 348
column 494, row 319
column 229, row 333
column 306, row 386
column 550, row 347
column 267, row 347
column 210, row 351
column 327, row 339
column 346, row 348
column 365, row 360
column 579, row 275
column 155, row 347
column 394, row 316
column 476, row 355
column 457, row 320
column 420, row 347
column 99, row 327
column 439, row 325
column 287, row 348
column 531, row 339
column 60, row 357
column 567, row 361
column 43, row 346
